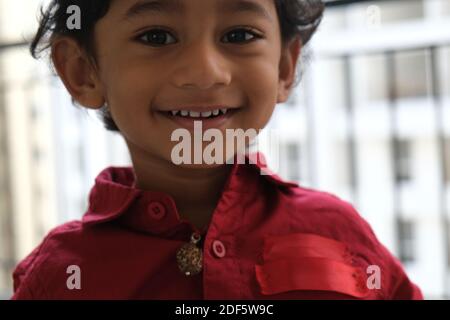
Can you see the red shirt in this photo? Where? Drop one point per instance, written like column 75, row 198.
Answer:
column 267, row 239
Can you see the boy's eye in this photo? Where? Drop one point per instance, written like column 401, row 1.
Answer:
column 159, row 37
column 156, row 37
column 241, row 35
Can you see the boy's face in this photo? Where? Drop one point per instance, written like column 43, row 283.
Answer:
column 159, row 56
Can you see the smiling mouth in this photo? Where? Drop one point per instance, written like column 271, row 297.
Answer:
column 200, row 115
column 209, row 119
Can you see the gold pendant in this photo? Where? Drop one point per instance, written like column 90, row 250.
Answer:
column 190, row 257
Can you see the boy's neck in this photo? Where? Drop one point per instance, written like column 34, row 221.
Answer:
column 195, row 191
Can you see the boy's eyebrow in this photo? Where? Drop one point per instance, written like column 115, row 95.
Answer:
column 178, row 6
column 157, row 6
column 255, row 7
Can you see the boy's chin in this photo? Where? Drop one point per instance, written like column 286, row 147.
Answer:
column 209, row 162
column 202, row 165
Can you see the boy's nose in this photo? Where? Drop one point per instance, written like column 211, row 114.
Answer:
column 201, row 66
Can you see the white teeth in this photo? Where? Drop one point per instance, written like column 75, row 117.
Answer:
column 197, row 114
column 194, row 114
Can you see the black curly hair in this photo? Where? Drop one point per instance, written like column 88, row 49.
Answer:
column 297, row 18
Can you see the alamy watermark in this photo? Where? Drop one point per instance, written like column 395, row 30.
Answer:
column 222, row 148
column 373, row 17
column 374, row 277
column 74, row 20
column 73, row 281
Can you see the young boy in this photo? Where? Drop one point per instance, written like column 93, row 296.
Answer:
column 159, row 230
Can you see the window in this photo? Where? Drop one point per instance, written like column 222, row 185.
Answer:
column 402, row 161
column 293, row 161
column 446, row 6
column 405, row 232
column 34, row 112
column 399, row 11
column 408, row 75
column 387, row 13
column 447, row 159
column 411, row 74
column 36, row 154
column 80, row 158
column 448, row 242
column 370, row 77
column 292, row 100
column 37, row 193
column 82, row 204
column 445, row 69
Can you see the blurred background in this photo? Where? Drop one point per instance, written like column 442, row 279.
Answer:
column 369, row 122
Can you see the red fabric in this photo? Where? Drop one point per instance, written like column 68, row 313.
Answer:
column 308, row 262
column 304, row 245
column 310, row 274
column 280, row 241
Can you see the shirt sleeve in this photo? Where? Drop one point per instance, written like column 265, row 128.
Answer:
column 403, row 288
column 399, row 286
column 25, row 279
column 21, row 289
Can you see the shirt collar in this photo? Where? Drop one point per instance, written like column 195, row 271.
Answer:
column 114, row 197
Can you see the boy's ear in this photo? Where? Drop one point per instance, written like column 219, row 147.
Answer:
column 290, row 54
column 77, row 73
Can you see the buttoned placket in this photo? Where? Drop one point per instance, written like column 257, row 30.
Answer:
column 221, row 273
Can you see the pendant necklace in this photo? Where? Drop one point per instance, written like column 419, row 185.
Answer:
column 190, row 256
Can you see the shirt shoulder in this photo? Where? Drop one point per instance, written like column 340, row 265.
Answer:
column 27, row 282
column 330, row 210
column 329, row 215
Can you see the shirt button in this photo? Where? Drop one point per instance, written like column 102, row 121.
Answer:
column 218, row 249
column 156, row 210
